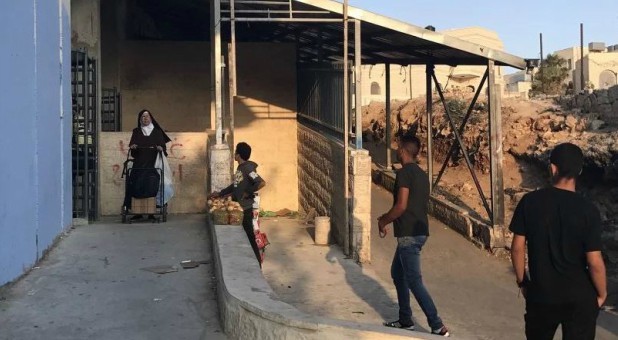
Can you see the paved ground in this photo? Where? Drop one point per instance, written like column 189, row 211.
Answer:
column 91, row 286
column 474, row 292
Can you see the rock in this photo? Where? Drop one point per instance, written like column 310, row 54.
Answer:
column 615, row 107
column 466, row 187
column 602, row 97
column 542, row 124
column 605, row 108
column 613, row 93
column 571, row 122
column 587, row 104
column 596, row 124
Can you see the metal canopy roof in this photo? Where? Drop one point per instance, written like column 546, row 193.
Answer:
column 316, row 26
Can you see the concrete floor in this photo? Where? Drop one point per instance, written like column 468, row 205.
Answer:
column 474, row 292
column 91, row 286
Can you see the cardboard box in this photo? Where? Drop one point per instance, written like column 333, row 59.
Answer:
column 144, row 205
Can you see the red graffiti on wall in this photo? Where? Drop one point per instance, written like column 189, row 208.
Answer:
column 173, row 149
column 116, row 175
column 121, row 146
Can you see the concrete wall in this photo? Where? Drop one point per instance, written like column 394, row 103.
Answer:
column 320, row 179
column 170, row 78
column 265, row 117
column 187, row 158
column 250, row 309
column 35, row 200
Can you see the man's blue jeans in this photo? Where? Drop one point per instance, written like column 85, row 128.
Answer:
column 406, row 274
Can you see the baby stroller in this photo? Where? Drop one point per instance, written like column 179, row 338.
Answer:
column 147, row 191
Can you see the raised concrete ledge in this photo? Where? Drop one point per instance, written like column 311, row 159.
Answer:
column 457, row 218
column 249, row 308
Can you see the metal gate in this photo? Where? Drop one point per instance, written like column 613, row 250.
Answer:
column 111, row 116
column 84, row 95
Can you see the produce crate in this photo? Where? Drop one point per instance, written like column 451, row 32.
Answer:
column 220, row 217
column 236, row 217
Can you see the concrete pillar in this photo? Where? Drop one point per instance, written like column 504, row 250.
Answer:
column 220, row 158
column 360, row 185
column 219, row 154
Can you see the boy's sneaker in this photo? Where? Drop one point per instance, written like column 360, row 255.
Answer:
column 397, row 324
column 442, row 331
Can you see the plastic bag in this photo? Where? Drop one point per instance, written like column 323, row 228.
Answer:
column 168, row 179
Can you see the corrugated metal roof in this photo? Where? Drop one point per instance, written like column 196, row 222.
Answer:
column 383, row 39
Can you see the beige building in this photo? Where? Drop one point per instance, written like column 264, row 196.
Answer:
column 409, row 81
column 600, row 65
column 517, row 84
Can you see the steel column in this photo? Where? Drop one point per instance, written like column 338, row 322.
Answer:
column 495, row 145
column 389, row 128
column 346, row 132
column 358, row 77
column 429, row 70
column 217, row 72
column 232, row 74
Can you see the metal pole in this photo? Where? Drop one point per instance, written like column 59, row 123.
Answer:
column 542, row 57
column 388, row 116
column 581, row 51
column 429, row 74
column 346, row 111
column 217, row 71
column 232, row 73
column 358, row 71
column 495, row 145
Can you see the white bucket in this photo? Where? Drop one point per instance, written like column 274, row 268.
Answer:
column 322, row 230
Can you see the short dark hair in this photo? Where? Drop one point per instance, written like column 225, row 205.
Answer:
column 411, row 144
column 569, row 159
column 243, row 150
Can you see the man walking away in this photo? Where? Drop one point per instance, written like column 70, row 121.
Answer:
column 411, row 228
column 562, row 230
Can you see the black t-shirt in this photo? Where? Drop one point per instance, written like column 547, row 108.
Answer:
column 560, row 226
column 413, row 221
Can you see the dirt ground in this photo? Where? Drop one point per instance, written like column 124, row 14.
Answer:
column 531, row 128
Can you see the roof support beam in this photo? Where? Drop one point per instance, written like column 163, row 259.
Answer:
column 462, row 128
column 359, row 83
column 495, row 146
column 459, row 141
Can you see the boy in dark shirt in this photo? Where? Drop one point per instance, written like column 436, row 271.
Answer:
column 562, row 229
column 243, row 190
column 409, row 214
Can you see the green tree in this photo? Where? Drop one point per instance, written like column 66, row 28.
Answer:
column 551, row 76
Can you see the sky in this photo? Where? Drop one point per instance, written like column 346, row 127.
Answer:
column 518, row 23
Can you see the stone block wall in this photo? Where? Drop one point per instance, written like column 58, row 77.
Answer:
column 187, row 156
column 320, row 179
column 604, row 102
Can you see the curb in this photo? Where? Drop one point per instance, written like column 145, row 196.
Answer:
column 250, row 309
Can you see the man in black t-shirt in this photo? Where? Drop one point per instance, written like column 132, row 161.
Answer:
column 409, row 212
column 562, row 230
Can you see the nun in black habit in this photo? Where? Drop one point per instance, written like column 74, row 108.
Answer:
column 147, row 140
